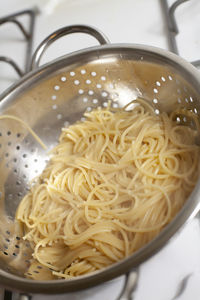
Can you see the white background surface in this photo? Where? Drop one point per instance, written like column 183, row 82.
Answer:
column 129, row 21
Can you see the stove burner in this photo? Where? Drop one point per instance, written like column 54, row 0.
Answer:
column 28, row 35
column 172, row 27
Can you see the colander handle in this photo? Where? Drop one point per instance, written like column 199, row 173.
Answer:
column 101, row 38
column 130, row 285
column 24, row 297
column 196, row 64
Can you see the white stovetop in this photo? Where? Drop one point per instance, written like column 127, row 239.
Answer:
column 129, row 21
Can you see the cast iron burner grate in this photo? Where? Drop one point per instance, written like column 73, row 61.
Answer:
column 27, row 34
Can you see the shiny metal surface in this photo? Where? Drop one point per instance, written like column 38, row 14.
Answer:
column 129, row 285
column 57, row 95
column 62, row 32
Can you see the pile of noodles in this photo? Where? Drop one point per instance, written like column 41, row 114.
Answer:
column 113, row 182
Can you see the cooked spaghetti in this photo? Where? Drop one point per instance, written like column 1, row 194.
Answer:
column 114, row 181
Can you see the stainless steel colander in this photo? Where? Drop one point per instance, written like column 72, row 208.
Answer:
column 56, row 95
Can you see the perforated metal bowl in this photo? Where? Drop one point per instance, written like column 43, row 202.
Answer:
column 56, row 95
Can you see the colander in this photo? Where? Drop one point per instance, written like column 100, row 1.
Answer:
column 56, row 95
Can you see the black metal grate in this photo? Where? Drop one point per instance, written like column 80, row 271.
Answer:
column 27, row 34
column 172, row 26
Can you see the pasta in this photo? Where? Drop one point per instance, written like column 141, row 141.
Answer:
column 114, row 181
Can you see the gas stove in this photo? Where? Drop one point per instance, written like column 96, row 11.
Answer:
column 174, row 272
